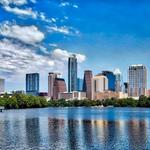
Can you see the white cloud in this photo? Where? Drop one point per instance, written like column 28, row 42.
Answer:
column 64, row 30
column 22, row 12
column 62, row 4
column 65, row 4
column 43, row 17
column 14, row 2
column 53, row 19
column 75, row 6
column 26, row 34
column 63, row 55
column 53, row 45
column 33, row 1
column 43, row 49
column 66, row 17
column 28, row 12
column 18, row 59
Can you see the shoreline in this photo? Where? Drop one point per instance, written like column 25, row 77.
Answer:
column 76, row 107
column 21, row 101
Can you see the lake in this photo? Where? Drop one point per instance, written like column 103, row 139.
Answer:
column 75, row 129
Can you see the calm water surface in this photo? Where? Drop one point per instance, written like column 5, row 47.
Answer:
column 75, row 128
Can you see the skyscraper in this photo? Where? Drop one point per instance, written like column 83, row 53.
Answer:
column 118, row 82
column 126, row 86
column 59, row 87
column 79, row 84
column 56, row 85
column 87, row 83
column 51, row 78
column 72, row 73
column 99, row 85
column 111, row 80
column 2, row 85
column 137, row 80
column 32, row 84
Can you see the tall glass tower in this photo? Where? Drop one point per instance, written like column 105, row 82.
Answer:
column 72, row 73
column 118, row 82
column 32, row 84
column 111, row 80
column 137, row 80
column 79, row 84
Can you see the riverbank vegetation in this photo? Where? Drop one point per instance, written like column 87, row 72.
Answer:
column 129, row 102
column 19, row 101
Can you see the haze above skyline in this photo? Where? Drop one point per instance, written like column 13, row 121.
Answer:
column 40, row 35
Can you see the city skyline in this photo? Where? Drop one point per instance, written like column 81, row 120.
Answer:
column 74, row 74
column 105, row 36
column 66, row 81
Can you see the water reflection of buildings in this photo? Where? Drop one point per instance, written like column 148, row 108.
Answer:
column 12, row 132
column 56, row 128
column 137, row 134
column 73, row 132
column 32, row 133
column 88, row 134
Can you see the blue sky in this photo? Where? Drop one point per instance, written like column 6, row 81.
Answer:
column 39, row 35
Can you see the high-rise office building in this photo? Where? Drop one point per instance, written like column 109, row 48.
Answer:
column 137, row 80
column 87, row 83
column 79, row 84
column 118, row 82
column 99, row 85
column 56, row 85
column 111, row 80
column 126, row 86
column 32, row 84
column 59, row 87
column 72, row 73
column 51, row 78
column 2, row 85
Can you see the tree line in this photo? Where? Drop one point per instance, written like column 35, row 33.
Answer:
column 128, row 102
column 19, row 101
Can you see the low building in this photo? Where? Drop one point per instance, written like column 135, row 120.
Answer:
column 73, row 95
column 8, row 94
column 105, row 95
column 110, row 94
column 18, row 92
column 148, row 93
column 65, row 95
column 44, row 94
column 122, row 95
